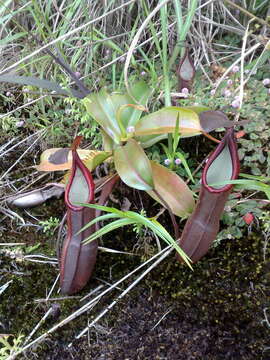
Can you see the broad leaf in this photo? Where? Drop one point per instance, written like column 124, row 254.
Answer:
column 115, row 112
column 211, row 120
column 107, row 141
column 133, row 166
column 197, row 109
column 131, row 113
column 164, row 121
column 101, row 108
column 40, row 83
column 61, row 159
column 173, row 189
column 149, row 140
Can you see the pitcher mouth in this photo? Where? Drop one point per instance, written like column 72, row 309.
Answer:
column 80, row 188
column 222, row 165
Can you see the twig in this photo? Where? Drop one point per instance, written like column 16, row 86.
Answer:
column 131, row 286
column 64, row 36
column 16, row 162
column 84, row 308
column 38, row 325
column 12, row 244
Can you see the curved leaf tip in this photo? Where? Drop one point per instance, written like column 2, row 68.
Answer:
column 172, row 189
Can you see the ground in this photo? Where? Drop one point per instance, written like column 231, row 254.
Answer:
column 214, row 312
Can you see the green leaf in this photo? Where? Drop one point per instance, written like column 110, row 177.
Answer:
column 133, row 166
column 149, row 140
column 247, row 184
column 40, row 83
column 185, row 164
column 163, row 234
column 132, row 218
column 166, row 150
column 11, row 14
column 99, row 218
column 164, row 121
column 12, row 38
column 101, row 108
column 254, row 177
column 115, row 112
column 131, row 114
column 107, row 228
column 107, row 141
column 173, row 189
column 95, row 158
column 176, row 134
column 160, row 231
column 104, row 208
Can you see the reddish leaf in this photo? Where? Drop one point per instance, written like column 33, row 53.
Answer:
column 56, row 159
column 173, row 189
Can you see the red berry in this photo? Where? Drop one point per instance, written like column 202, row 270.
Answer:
column 240, row 134
column 248, row 218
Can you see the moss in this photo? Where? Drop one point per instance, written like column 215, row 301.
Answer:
column 228, row 288
column 224, row 296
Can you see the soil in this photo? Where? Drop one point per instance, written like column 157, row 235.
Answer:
column 215, row 312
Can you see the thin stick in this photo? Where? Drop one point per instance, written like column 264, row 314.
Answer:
column 64, row 36
column 12, row 244
column 253, row 48
column 131, row 286
column 253, row 17
column 84, row 308
column 53, row 286
column 20, row 142
column 241, row 93
column 38, row 325
column 16, row 162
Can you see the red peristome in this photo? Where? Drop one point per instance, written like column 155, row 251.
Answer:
column 228, row 139
column 203, row 225
column 77, row 162
column 77, row 261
